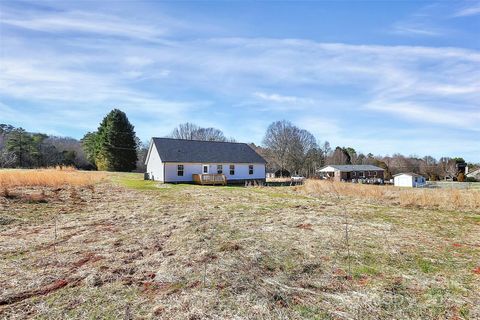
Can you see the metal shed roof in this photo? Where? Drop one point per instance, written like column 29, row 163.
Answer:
column 411, row 174
column 195, row 151
column 352, row 167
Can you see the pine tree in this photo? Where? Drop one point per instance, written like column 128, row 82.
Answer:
column 113, row 147
column 90, row 146
column 22, row 145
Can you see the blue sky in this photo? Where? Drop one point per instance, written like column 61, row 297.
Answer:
column 379, row 76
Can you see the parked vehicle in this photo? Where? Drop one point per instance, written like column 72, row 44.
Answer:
column 297, row 179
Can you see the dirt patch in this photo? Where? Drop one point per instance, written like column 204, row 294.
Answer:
column 306, row 226
column 57, row 284
column 89, row 258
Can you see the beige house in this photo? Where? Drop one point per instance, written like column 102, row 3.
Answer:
column 352, row 172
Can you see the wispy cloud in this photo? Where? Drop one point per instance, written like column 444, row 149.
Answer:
column 424, row 22
column 237, row 67
column 278, row 98
column 82, row 22
column 325, row 87
column 469, row 10
column 429, row 114
column 416, row 30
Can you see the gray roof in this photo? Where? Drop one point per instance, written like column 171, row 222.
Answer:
column 354, row 167
column 179, row 150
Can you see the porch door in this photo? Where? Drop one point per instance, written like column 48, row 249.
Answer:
column 205, row 168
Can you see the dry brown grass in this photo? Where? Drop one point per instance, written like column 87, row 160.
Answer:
column 447, row 199
column 133, row 250
column 51, row 177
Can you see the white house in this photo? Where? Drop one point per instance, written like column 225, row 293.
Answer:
column 177, row 160
column 408, row 180
column 475, row 174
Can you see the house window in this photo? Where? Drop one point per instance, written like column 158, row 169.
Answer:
column 354, row 173
column 250, row 169
column 361, row 174
column 219, row 169
column 232, row 169
column 205, row 168
column 374, row 173
column 180, row 170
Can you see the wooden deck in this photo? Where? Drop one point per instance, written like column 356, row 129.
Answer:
column 210, row 179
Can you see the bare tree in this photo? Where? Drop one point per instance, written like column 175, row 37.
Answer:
column 142, row 151
column 210, row 134
column 190, row 131
column 339, row 156
column 291, row 147
column 301, row 150
column 7, row 159
column 186, row 131
column 69, row 148
column 277, row 139
column 429, row 168
column 399, row 163
column 448, row 167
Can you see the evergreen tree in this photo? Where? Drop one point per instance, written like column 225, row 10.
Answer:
column 114, row 146
column 22, row 145
column 90, row 146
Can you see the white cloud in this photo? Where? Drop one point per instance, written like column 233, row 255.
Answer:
column 317, row 85
column 237, row 67
column 471, row 10
column 278, row 98
column 428, row 114
column 83, row 22
column 416, row 30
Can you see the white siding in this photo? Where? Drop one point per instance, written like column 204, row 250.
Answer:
column 154, row 164
column 241, row 171
column 405, row 180
column 188, row 169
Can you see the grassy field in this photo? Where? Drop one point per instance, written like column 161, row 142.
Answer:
column 121, row 247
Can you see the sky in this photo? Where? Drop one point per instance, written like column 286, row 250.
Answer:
column 380, row 76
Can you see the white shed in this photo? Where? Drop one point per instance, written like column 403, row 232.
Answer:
column 178, row 160
column 409, row 180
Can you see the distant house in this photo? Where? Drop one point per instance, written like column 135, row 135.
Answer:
column 475, row 174
column 177, row 160
column 359, row 172
column 409, row 180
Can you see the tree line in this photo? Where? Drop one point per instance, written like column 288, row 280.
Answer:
column 287, row 148
column 22, row 149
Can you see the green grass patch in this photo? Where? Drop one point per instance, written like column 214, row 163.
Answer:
column 474, row 218
column 425, row 266
column 112, row 302
column 364, row 270
column 136, row 181
column 138, row 184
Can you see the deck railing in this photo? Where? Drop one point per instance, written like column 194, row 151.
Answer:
column 210, row 178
